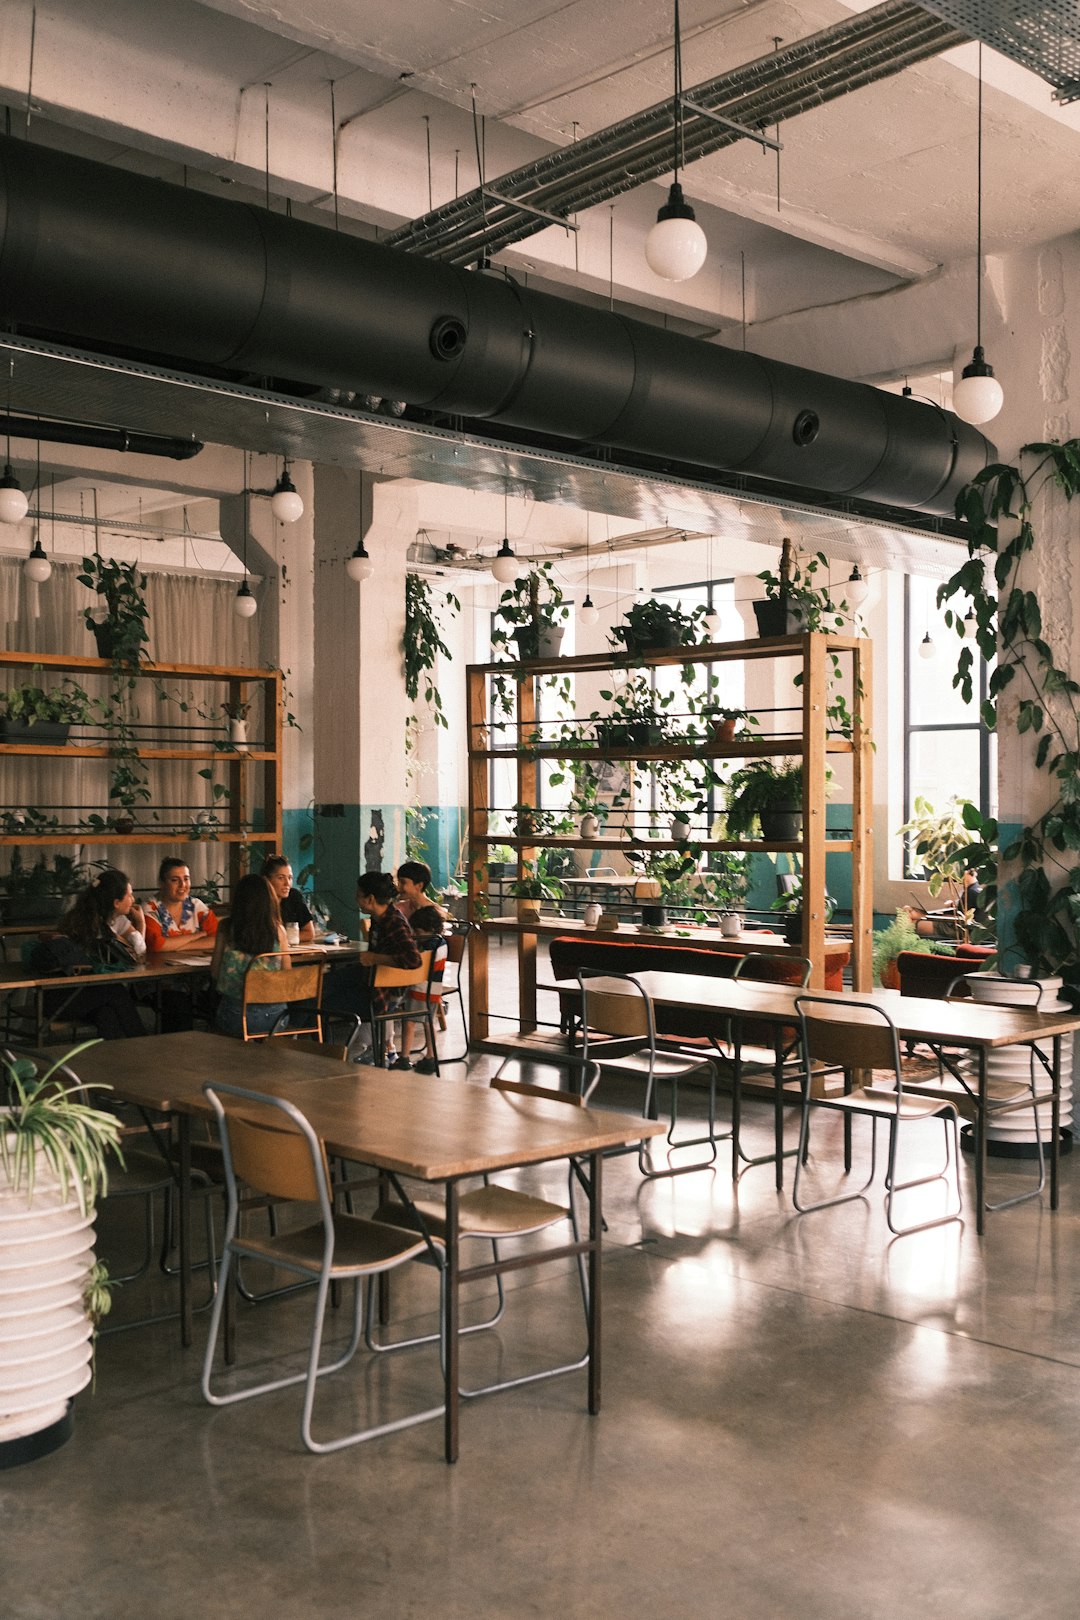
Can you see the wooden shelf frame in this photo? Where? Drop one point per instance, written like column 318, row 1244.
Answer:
column 813, row 744
column 235, row 831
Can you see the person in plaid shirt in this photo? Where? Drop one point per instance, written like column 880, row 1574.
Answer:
column 391, row 942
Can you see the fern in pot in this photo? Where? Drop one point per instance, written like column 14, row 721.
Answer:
column 54, row 1148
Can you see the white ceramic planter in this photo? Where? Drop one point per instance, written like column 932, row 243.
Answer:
column 590, row 826
column 46, row 1252
column 680, row 828
column 238, row 733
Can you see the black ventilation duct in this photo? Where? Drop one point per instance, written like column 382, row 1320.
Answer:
column 99, row 255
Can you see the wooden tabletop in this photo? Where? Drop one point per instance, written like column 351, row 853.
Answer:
column 163, row 965
column 418, row 1125
column 705, row 939
column 957, row 1023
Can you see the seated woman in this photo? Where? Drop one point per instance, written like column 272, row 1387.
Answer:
column 278, row 873
column 253, row 933
column 176, row 920
column 104, row 926
column 391, row 943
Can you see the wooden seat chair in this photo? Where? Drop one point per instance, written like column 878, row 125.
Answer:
column 627, row 1020
column 492, row 1213
column 295, row 984
column 269, row 1146
column 860, row 1035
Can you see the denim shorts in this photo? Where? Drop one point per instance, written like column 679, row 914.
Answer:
column 228, row 1020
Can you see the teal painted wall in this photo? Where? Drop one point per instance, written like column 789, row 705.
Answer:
column 442, row 840
column 764, row 868
column 346, row 839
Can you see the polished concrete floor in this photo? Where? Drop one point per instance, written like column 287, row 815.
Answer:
column 801, row 1417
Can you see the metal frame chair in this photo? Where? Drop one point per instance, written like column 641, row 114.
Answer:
column 492, row 1213
column 392, row 978
column 270, row 1146
column 457, row 945
column 861, row 1035
column 294, row 984
column 630, row 1023
column 760, row 967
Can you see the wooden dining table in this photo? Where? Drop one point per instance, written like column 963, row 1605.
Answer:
column 969, row 1026
column 419, row 1126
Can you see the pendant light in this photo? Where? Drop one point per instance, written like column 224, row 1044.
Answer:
column 676, row 246
column 505, row 565
column 969, row 625
column 13, row 502
column 359, row 566
column 857, row 588
column 926, row 647
column 978, row 396
column 285, row 503
column 244, row 604
column 588, row 612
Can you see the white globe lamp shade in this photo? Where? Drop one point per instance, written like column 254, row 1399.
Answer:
column 969, row 625
column 285, row 503
column 978, row 396
column 505, row 565
column 857, row 589
column 712, row 626
column 13, row 502
column 359, row 566
column 37, row 566
column 588, row 612
column 244, row 604
column 926, row 647
column 676, row 246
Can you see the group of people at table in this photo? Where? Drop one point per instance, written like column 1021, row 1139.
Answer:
column 107, row 925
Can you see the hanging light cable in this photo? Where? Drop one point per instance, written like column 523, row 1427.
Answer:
column 978, row 396
column 676, row 246
column 244, row 604
column 37, row 566
column 588, row 612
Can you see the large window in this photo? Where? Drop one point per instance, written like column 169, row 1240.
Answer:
column 948, row 751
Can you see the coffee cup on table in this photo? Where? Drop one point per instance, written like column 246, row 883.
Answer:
column 731, row 925
column 292, row 933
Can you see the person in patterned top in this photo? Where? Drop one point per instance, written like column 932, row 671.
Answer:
column 175, row 919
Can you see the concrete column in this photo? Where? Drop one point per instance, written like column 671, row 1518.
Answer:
column 360, row 706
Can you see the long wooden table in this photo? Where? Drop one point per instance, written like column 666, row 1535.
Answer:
column 971, row 1026
column 420, row 1126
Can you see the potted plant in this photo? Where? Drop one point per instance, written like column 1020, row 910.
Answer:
column 638, row 716
column 236, row 711
column 793, row 601
column 585, row 805
column 791, row 904
column 939, row 841
column 535, row 606
column 121, row 635
column 769, row 794
column 722, row 724
column 53, row 1152
column 38, row 893
column 32, row 714
column 654, row 623
column 899, row 935
column 530, row 889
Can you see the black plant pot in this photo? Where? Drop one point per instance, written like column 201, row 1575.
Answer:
column 39, row 731
column 103, row 635
column 793, row 927
column 778, row 618
column 653, row 916
column 781, row 825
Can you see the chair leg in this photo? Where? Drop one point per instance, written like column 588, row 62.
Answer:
column 893, row 1186
column 645, row 1160
column 801, row 1159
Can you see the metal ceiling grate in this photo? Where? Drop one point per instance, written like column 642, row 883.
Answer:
column 1043, row 35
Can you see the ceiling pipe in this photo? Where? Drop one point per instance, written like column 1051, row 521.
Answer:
column 107, row 257
column 98, row 438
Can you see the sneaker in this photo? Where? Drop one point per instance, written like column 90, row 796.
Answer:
column 426, row 1066
column 365, row 1055
column 396, row 1060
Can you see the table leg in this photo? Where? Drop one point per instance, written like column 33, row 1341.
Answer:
column 450, row 1322
column 778, row 1106
column 736, row 1094
column 184, row 1131
column 596, row 1227
column 980, row 1147
column 1055, row 1125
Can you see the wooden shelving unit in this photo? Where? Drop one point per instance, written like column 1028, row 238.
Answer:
column 526, row 746
column 235, row 827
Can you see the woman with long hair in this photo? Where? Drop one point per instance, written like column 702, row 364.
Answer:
column 105, row 924
column 253, row 935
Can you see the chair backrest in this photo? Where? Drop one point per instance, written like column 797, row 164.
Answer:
column 851, row 1034
column 786, row 883
column 627, row 1014
column 393, row 978
column 263, row 985
column 457, row 943
column 774, row 969
column 269, row 1144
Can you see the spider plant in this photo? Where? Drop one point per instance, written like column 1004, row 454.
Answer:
column 46, row 1118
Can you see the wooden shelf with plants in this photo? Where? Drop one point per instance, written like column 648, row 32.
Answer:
column 503, row 709
column 43, row 690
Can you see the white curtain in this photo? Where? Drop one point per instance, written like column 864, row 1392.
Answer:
column 191, row 621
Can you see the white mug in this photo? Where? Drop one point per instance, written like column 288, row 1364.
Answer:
column 592, row 914
column 731, row 925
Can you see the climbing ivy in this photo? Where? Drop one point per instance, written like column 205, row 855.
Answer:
column 1009, row 627
column 421, row 643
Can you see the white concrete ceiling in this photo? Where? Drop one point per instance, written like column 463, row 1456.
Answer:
column 876, row 189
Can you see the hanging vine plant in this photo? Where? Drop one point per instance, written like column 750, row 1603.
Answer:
column 1009, row 627
column 422, row 642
